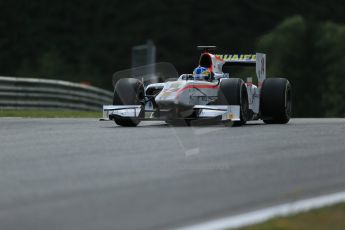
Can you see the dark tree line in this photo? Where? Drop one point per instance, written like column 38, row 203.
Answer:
column 312, row 56
column 87, row 40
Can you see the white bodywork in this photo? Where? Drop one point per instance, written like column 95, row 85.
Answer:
column 188, row 92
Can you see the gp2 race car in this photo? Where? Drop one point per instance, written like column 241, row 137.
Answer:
column 219, row 98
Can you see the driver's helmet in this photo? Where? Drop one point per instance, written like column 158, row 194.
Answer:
column 201, row 74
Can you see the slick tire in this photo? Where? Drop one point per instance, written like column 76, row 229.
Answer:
column 276, row 101
column 233, row 91
column 128, row 91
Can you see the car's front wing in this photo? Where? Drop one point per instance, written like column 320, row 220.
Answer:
column 222, row 112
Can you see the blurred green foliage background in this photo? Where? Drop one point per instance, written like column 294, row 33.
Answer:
column 87, row 40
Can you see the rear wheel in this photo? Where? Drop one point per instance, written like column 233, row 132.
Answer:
column 233, row 91
column 128, row 91
column 275, row 101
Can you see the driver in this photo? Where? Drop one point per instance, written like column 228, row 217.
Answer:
column 202, row 74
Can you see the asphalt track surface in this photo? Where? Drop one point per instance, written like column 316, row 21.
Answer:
column 85, row 174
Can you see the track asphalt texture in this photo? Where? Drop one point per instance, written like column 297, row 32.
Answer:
column 85, row 174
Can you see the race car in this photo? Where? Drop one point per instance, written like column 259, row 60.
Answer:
column 208, row 94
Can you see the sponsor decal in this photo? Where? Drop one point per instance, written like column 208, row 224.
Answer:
column 237, row 57
column 230, row 116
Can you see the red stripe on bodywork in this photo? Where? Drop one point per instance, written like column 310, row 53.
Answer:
column 195, row 86
column 198, row 87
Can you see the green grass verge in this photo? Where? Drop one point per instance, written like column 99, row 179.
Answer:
column 49, row 114
column 325, row 218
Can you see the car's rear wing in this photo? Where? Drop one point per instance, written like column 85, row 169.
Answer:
column 258, row 60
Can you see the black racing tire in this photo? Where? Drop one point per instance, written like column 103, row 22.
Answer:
column 128, row 91
column 276, row 101
column 233, row 91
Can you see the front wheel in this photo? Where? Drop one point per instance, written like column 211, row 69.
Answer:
column 233, row 91
column 128, row 91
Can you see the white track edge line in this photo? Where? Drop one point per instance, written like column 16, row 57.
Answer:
column 261, row 215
